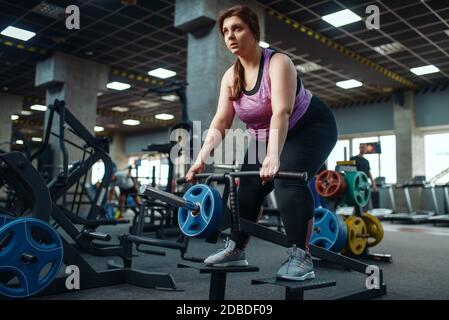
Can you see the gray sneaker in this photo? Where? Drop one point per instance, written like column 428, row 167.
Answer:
column 228, row 256
column 298, row 266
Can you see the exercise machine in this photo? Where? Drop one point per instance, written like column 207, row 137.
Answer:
column 413, row 216
column 442, row 218
column 232, row 220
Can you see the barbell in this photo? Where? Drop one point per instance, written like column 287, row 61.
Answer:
column 201, row 207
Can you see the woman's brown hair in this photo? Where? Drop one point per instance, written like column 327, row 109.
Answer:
column 250, row 18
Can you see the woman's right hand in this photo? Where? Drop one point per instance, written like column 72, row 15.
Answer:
column 197, row 167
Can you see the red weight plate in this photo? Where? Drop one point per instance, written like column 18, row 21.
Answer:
column 330, row 184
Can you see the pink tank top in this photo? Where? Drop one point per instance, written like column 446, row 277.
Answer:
column 254, row 107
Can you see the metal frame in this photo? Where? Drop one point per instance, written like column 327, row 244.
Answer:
column 32, row 187
column 264, row 233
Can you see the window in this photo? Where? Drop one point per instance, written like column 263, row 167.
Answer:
column 381, row 165
column 384, row 164
column 372, row 158
column 387, row 167
column 437, row 156
column 146, row 171
column 97, row 172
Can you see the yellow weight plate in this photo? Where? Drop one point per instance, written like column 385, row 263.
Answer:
column 374, row 228
column 357, row 235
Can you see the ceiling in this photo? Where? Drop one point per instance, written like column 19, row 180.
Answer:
column 133, row 39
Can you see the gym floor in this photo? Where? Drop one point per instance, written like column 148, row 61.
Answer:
column 418, row 271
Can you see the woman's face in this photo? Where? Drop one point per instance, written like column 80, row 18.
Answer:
column 237, row 36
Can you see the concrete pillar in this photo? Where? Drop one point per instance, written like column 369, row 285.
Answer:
column 117, row 151
column 207, row 55
column 410, row 157
column 77, row 82
column 9, row 105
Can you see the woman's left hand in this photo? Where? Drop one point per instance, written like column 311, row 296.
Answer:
column 270, row 168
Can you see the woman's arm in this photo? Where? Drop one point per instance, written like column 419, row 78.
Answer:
column 222, row 120
column 283, row 79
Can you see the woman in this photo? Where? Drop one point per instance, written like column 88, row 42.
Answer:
column 263, row 89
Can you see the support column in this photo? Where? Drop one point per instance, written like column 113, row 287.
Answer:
column 117, row 151
column 77, row 82
column 207, row 55
column 410, row 157
column 9, row 104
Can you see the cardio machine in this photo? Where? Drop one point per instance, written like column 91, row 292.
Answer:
column 415, row 216
column 442, row 218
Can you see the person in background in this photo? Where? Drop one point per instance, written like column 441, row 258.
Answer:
column 362, row 164
column 127, row 185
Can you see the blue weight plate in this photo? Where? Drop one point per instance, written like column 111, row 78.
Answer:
column 342, row 235
column 318, row 201
column 203, row 223
column 4, row 219
column 28, row 237
column 328, row 232
column 325, row 228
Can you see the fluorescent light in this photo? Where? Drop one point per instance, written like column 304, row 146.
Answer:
column 49, row 10
column 164, row 116
column 308, row 67
column 118, row 85
column 120, row 109
column 162, row 73
column 145, row 104
column 19, row 141
column 26, row 113
column 263, row 44
column 98, row 129
column 14, row 117
column 36, row 139
column 170, row 97
column 131, row 122
column 38, row 107
column 348, row 84
column 424, row 70
column 341, row 18
column 18, row 33
column 446, row 32
column 389, row 48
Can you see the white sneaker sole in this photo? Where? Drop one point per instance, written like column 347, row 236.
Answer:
column 240, row 263
column 309, row 275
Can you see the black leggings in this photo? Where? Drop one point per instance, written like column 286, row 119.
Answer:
column 307, row 146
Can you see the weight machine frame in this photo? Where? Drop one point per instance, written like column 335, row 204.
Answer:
column 233, row 220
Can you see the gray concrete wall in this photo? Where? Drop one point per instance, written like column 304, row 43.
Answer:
column 365, row 118
column 133, row 144
column 432, row 108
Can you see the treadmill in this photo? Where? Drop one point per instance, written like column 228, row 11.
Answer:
column 442, row 218
column 383, row 202
column 412, row 216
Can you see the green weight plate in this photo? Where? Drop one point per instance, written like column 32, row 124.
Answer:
column 358, row 190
